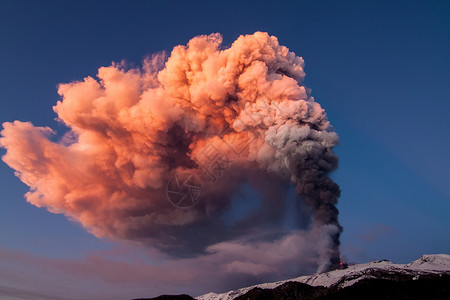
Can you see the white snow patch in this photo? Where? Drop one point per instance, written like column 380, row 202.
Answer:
column 436, row 262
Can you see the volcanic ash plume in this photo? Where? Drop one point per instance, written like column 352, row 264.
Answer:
column 133, row 130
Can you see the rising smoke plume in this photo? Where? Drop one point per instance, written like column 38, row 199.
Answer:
column 229, row 116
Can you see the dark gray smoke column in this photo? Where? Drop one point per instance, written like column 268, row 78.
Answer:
column 305, row 145
column 319, row 191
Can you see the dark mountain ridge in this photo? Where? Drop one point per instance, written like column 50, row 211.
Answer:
column 426, row 278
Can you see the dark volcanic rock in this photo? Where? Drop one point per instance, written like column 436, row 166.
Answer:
column 436, row 288
column 432, row 287
column 169, row 297
column 288, row 291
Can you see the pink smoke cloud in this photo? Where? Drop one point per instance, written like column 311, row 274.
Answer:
column 132, row 130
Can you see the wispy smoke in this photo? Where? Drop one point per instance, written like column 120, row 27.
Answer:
column 228, row 116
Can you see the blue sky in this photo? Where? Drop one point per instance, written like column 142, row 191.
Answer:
column 379, row 68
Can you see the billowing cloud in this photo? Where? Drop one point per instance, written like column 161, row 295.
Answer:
column 199, row 126
column 126, row 271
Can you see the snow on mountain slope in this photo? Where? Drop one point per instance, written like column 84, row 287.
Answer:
column 437, row 263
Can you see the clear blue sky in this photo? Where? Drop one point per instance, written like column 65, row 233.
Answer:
column 381, row 69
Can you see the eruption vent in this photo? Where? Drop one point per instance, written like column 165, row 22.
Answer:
column 222, row 116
